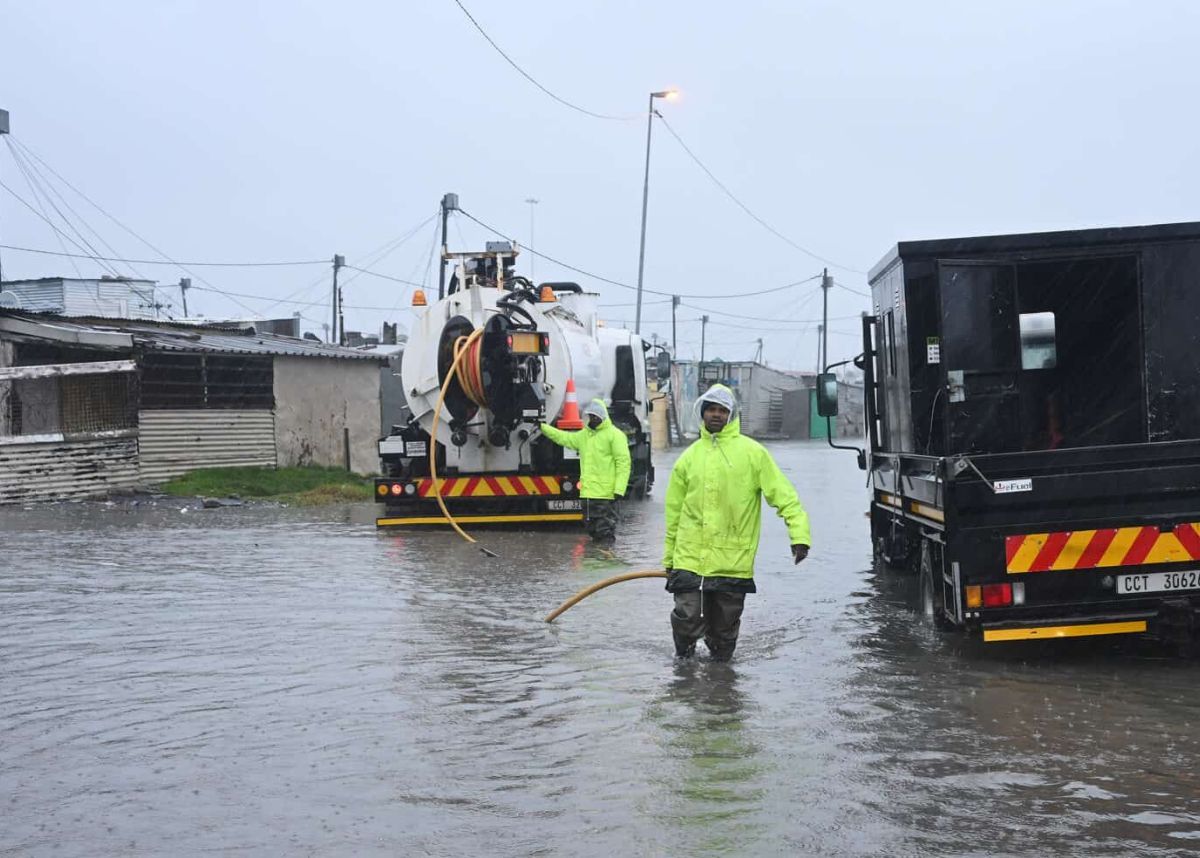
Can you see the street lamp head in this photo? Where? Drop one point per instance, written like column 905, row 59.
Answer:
column 668, row 94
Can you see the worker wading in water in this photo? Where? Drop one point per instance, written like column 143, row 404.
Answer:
column 603, row 467
column 713, row 520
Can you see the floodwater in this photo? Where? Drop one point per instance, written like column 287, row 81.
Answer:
column 271, row 681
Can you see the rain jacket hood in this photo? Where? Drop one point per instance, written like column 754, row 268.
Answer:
column 714, row 502
column 604, row 460
column 598, row 408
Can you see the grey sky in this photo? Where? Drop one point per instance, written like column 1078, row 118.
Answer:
column 240, row 131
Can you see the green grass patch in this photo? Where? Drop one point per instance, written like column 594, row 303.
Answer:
column 309, row 486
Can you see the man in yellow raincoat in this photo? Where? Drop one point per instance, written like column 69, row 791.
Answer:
column 714, row 504
column 603, row 467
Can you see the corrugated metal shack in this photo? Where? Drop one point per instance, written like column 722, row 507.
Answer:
column 759, row 388
column 92, row 405
column 112, row 297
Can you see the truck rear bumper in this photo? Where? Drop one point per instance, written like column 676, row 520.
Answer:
column 1068, row 627
column 498, row 518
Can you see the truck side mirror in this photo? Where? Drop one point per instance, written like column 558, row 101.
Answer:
column 662, row 365
column 827, row 394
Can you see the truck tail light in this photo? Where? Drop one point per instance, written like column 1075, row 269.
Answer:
column 997, row 595
column 1018, row 594
column 382, row 490
column 397, row 488
column 410, row 489
column 974, row 596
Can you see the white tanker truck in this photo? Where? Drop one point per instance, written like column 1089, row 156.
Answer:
column 492, row 464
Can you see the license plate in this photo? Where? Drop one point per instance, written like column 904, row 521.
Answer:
column 563, row 505
column 1158, row 582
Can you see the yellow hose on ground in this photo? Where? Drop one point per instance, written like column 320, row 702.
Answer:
column 600, row 585
column 461, row 347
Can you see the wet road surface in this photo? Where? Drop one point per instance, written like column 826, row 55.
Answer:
column 269, row 681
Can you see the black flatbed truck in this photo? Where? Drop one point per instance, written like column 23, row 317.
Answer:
column 1033, row 420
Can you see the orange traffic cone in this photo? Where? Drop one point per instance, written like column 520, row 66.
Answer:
column 570, row 414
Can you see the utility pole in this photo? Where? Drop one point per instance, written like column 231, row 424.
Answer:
column 826, row 285
column 338, row 262
column 185, row 283
column 703, row 330
column 449, row 204
column 3, row 130
column 532, row 256
column 667, row 94
column 820, row 331
column 674, row 341
column 758, row 354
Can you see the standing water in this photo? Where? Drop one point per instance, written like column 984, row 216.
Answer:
column 266, row 680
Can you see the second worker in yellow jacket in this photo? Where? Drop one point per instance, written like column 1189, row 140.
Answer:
column 603, row 467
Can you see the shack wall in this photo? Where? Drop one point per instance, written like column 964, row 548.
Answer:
column 59, row 469
column 176, row 441
column 316, row 400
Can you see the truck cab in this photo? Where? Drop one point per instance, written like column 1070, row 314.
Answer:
column 1033, row 417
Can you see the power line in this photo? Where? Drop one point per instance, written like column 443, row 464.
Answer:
column 746, row 208
column 848, row 289
column 612, row 282
column 289, row 303
column 530, row 77
column 762, row 318
column 99, row 208
column 170, row 262
column 37, row 187
column 384, row 277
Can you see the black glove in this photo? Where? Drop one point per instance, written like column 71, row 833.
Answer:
column 670, row 579
column 618, row 497
column 799, row 552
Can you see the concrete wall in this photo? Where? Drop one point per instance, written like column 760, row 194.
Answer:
column 316, row 399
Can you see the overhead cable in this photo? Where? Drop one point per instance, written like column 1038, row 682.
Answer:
column 181, row 265
column 166, row 262
column 288, row 303
column 746, row 208
column 612, row 282
column 851, row 290
column 532, row 80
column 384, row 276
column 39, row 191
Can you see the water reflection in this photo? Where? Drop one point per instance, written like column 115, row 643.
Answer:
column 716, row 771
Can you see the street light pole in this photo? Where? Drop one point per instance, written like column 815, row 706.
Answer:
column 666, row 93
column 532, row 256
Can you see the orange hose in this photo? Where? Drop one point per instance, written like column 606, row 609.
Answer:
column 600, row 585
column 461, row 347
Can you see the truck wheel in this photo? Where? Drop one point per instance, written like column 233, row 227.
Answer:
column 930, row 604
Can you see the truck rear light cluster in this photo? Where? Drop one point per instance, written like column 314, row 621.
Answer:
column 397, row 488
column 995, row 595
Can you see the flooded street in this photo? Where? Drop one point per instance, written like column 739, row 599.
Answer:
column 265, row 680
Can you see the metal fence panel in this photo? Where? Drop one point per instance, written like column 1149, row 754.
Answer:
column 174, row 442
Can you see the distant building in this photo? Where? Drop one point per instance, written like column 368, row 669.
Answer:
column 88, row 406
column 759, row 388
column 106, row 297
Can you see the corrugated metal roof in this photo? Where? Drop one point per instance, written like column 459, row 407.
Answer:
column 195, row 339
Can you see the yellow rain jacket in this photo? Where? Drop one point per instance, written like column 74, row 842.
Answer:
column 603, row 454
column 714, row 507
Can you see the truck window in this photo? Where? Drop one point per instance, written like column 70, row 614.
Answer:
column 1037, row 341
column 625, row 388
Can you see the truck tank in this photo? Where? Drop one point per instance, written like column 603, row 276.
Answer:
column 493, row 465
